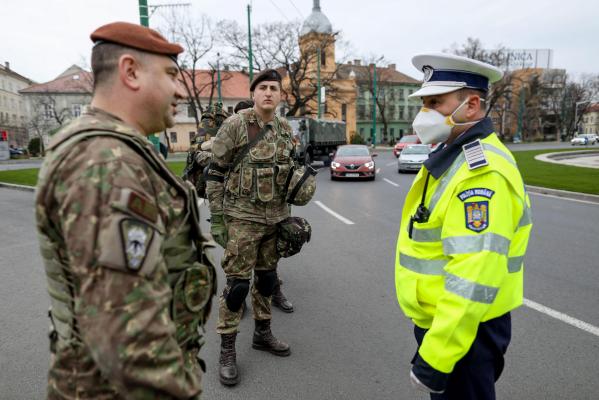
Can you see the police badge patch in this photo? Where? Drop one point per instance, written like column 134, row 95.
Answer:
column 136, row 238
column 477, row 215
column 428, row 73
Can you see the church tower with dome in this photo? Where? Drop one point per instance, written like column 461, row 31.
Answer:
column 317, row 36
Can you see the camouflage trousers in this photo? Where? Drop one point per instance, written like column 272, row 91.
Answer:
column 251, row 247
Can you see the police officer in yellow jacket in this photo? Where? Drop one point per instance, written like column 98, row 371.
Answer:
column 463, row 235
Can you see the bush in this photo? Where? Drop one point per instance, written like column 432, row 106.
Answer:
column 356, row 139
column 34, row 147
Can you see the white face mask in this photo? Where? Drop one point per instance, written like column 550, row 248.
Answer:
column 433, row 127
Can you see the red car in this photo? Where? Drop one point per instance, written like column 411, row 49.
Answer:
column 404, row 142
column 353, row 161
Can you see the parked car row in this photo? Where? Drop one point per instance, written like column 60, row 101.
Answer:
column 585, row 139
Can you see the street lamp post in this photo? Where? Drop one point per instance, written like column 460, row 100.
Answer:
column 374, row 89
column 250, row 55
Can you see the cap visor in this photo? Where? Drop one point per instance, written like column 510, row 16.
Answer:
column 434, row 90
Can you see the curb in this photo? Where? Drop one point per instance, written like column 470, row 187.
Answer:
column 14, row 186
column 560, row 157
column 533, row 189
column 593, row 198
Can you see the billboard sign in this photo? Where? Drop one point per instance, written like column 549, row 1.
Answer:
column 512, row 59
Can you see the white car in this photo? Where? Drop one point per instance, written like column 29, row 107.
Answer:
column 584, row 139
column 412, row 157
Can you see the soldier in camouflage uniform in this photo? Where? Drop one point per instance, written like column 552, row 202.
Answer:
column 128, row 274
column 247, row 200
column 278, row 299
column 198, row 158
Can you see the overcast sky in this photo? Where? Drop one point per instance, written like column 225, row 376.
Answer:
column 41, row 39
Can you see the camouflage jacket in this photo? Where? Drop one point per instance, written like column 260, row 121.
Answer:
column 128, row 273
column 197, row 160
column 253, row 190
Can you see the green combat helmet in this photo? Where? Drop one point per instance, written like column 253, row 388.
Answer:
column 292, row 233
column 301, row 185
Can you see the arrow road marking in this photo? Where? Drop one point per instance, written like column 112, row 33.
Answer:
column 562, row 317
column 334, row 214
column 390, row 182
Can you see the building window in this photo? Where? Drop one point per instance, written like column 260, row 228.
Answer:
column 76, row 109
column 361, row 111
column 401, row 113
column 361, row 131
column 401, row 133
column 173, row 137
column 230, row 110
column 343, row 112
column 323, row 57
column 48, row 111
column 191, row 136
column 190, row 111
column 392, row 132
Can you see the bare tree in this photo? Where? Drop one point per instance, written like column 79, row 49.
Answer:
column 384, row 98
column 197, row 38
column 276, row 45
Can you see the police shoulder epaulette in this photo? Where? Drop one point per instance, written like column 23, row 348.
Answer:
column 475, row 156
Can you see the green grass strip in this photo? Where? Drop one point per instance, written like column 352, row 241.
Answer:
column 556, row 176
column 534, row 172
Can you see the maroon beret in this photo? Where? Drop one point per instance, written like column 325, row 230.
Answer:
column 267, row 75
column 135, row 36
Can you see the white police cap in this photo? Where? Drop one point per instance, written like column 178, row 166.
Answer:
column 446, row 73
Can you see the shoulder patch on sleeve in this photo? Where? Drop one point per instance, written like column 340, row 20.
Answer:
column 136, row 237
column 475, row 156
column 477, row 215
column 141, row 206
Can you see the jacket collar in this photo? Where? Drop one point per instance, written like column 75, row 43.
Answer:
column 442, row 158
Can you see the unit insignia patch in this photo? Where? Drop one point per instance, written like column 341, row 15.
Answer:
column 477, row 215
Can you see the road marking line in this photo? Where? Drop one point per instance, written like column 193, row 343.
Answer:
column 334, row 214
column 563, row 198
column 390, row 182
column 562, row 317
column 378, row 170
column 390, row 164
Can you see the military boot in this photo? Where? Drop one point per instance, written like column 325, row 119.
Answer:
column 280, row 301
column 228, row 374
column 265, row 340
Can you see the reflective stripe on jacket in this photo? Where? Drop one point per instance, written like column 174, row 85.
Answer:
column 465, row 265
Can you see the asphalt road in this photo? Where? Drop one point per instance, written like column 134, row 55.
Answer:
column 348, row 337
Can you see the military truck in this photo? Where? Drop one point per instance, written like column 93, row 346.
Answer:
column 318, row 137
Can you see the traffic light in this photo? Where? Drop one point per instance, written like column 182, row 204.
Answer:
column 3, row 136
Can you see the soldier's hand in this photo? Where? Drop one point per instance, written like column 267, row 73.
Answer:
column 218, row 230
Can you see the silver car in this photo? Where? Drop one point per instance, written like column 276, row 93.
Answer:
column 412, row 157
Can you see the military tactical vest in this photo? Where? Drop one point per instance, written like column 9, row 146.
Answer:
column 262, row 173
column 193, row 284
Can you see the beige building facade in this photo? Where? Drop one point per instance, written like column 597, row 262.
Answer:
column 13, row 110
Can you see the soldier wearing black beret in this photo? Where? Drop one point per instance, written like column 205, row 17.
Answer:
column 266, row 75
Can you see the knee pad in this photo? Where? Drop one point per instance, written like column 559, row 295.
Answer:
column 266, row 282
column 235, row 293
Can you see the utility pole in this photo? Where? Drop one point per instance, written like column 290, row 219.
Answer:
column 144, row 19
column 374, row 89
column 319, row 88
column 220, row 97
column 250, row 55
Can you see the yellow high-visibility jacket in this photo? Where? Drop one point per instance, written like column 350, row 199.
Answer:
column 465, row 265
